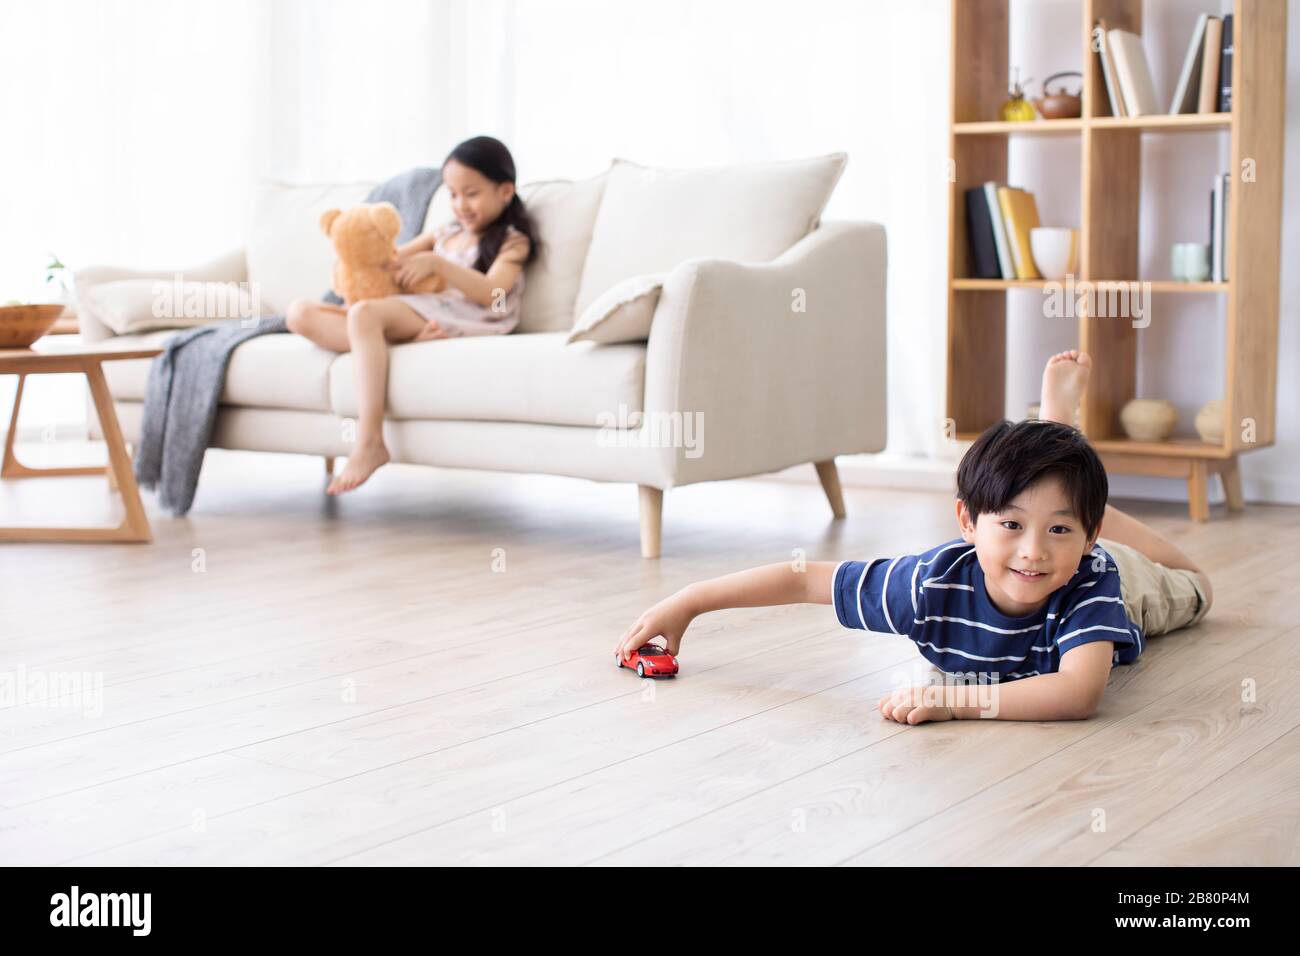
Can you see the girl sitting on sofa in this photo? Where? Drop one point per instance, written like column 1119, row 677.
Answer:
column 481, row 254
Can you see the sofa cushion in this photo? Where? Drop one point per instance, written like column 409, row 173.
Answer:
column 270, row 371
column 288, row 255
column 652, row 220
column 623, row 313
column 513, row 378
column 565, row 213
column 128, row 306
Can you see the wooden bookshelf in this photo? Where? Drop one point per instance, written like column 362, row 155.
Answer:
column 1110, row 200
column 1160, row 285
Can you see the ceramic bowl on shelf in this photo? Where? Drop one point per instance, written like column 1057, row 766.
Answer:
column 21, row 325
column 1148, row 419
column 1055, row 250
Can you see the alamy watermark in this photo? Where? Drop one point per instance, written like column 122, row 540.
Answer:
column 77, row 690
column 1118, row 300
column 927, row 687
column 126, row 910
column 628, row 429
column 207, row 300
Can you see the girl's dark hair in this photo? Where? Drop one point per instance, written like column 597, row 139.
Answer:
column 491, row 158
column 1009, row 457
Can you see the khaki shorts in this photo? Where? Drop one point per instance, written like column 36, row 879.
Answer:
column 1157, row 598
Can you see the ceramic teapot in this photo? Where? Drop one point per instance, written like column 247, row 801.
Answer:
column 1060, row 104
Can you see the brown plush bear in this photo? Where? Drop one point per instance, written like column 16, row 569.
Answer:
column 363, row 239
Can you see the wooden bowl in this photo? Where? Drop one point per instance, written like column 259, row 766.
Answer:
column 21, row 325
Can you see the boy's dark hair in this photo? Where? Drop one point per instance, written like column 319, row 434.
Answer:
column 1011, row 456
column 491, row 158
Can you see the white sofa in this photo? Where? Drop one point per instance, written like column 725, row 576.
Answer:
column 734, row 379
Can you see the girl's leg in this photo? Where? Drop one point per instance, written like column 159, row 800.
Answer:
column 372, row 324
column 326, row 325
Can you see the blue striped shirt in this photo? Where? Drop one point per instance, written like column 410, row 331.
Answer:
column 939, row 600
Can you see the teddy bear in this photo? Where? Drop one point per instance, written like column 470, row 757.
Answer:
column 364, row 241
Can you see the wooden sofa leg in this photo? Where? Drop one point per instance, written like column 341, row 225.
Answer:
column 830, row 479
column 652, row 510
column 329, row 466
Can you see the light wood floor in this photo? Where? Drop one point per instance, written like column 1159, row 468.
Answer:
column 290, row 679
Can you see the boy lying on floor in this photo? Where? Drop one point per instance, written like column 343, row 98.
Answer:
column 1047, row 588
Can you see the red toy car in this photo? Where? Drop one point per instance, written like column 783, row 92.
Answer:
column 650, row 660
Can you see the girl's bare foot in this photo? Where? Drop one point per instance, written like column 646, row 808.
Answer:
column 1064, row 379
column 361, row 465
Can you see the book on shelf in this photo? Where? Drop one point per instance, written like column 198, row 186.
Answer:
column 998, row 220
column 1187, row 92
column 1006, row 265
column 1225, row 66
column 1219, row 199
column 1208, row 102
column 1102, row 46
column 1133, row 73
column 1020, row 214
column 983, row 245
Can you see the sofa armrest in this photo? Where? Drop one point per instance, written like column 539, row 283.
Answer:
column 228, row 267
column 775, row 363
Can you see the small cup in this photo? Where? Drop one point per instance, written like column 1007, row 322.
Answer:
column 1178, row 261
column 1196, row 262
column 1191, row 261
column 1055, row 250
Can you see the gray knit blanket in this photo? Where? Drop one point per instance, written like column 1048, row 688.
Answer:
column 185, row 382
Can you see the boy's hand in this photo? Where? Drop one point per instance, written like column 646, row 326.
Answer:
column 668, row 619
column 915, row 705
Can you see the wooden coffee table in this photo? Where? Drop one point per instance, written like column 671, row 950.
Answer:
column 46, row 358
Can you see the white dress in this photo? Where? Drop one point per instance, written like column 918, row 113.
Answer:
column 452, row 309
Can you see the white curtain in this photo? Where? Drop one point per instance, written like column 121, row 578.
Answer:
column 126, row 132
column 125, row 139
column 682, row 83
column 144, row 125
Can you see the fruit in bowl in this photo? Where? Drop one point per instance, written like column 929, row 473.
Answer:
column 23, row 324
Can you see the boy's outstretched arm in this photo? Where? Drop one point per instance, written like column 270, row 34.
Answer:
column 757, row 587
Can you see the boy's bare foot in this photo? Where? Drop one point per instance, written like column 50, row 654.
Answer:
column 1064, row 379
column 361, row 465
